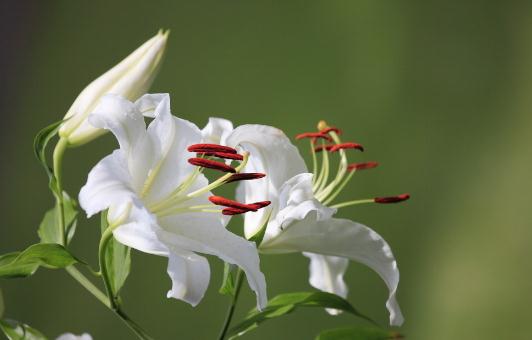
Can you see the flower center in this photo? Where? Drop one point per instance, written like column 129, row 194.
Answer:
column 326, row 189
column 214, row 157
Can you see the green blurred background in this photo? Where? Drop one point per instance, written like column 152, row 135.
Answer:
column 440, row 92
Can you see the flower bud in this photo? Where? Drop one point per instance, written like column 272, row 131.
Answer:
column 131, row 78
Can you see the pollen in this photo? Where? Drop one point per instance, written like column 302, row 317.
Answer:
column 224, row 155
column 391, row 199
column 245, row 176
column 209, row 148
column 362, row 166
column 210, row 164
column 314, row 135
column 347, row 146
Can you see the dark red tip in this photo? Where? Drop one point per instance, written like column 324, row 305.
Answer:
column 392, row 199
column 207, row 163
column 218, row 200
column 210, row 148
column 362, row 166
column 347, row 146
column 261, row 204
column 233, row 211
column 314, row 135
column 333, row 129
column 322, row 147
column 225, row 155
column 245, row 177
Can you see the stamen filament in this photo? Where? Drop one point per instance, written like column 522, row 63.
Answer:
column 336, row 191
column 349, row 203
column 314, row 161
column 220, row 180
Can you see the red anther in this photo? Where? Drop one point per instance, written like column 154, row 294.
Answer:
column 392, row 199
column 207, row 163
column 225, row 155
column 334, row 129
column 362, row 166
column 210, row 148
column 244, row 177
column 314, row 135
column 233, row 211
column 347, row 146
column 261, row 204
column 321, row 147
column 218, row 200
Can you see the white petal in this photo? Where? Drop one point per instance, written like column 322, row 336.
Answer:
column 327, row 274
column 272, row 153
column 119, row 115
column 70, row 336
column 343, row 238
column 109, row 183
column 171, row 136
column 139, row 231
column 190, row 276
column 216, row 131
column 199, row 233
column 295, row 201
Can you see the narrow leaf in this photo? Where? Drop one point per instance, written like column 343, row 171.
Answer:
column 117, row 260
column 358, row 333
column 286, row 303
column 41, row 141
column 228, row 283
column 15, row 330
column 26, row 263
column 49, row 228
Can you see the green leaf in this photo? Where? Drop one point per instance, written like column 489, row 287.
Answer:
column 49, row 228
column 228, row 283
column 39, row 146
column 117, row 260
column 358, row 333
column 15, row 330
column 286, row 303
column 26, row 263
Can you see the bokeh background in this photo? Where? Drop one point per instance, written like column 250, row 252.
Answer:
column 440, row 92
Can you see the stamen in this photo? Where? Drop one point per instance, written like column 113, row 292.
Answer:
column 391, row 199
column 238, row 211
column 207, row 163
column 343, row 146
column 225, row 155
column 218, row 200
column 233, row 211
column 245, row 177
column 314, row 135
column 333, row 129
column 261, row 204
column 326, row 147
column 362, row 166
column 210, row 148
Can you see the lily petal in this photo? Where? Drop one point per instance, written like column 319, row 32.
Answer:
column 343, row 238
column 190, row 274
column 272, row 153
column 327, row 274
column 217, row 130
column 70, row 336
column 109, row 183
column 188, row 231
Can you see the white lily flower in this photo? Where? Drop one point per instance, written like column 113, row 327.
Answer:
column 70, row 336
column 158, row 201
column 300, row 218
column 131, row 78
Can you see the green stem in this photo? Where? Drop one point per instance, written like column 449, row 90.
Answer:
column 88, row 285
column 139, row 332
column 104, row 241
column 232, row 306
column 59, row 152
